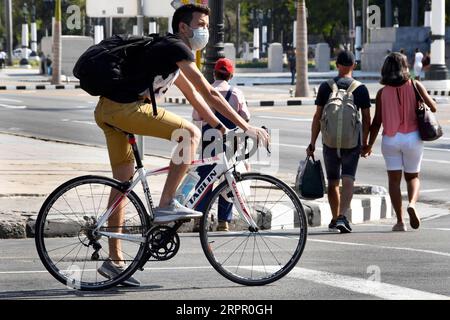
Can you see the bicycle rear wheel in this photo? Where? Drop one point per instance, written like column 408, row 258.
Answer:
column 67, row 245
column 255, row 257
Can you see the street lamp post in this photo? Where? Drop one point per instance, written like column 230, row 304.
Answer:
column 438, row 69
column 24, row 61
column 396, row 22
column 388, row 13
column 33, row 29
column 427, row 20
column 414, row 13
column 9, row 33
column 352, row 24
column 215, row 48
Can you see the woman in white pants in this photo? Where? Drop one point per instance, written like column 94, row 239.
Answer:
column 402, row 147
column 418, row 64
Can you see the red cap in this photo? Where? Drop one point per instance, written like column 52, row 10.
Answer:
column 224, row 65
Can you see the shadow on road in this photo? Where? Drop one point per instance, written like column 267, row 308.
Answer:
column 69, row 293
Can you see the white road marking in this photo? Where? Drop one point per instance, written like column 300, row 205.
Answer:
column 12, row 107
column 373, row 154
column 10, row 100
column 437, row 229
column 363, row 286
column 286, row 119
column 355, row 244
column 437, row 149
column 91, row 123
column 404, row 193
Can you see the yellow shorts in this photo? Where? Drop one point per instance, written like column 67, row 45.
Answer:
column 136, row 117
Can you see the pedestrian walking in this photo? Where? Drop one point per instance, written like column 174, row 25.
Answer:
column 2, row 59
column 223, row 73
column 401, row 146
column 426, row 62
column 342, row 136
column 292, row 61
column 418, row 65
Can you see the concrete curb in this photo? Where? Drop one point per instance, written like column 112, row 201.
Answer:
column 364, row 208
column 442, row 93
column 41, row 87
column 256, row 103
column 260, row 103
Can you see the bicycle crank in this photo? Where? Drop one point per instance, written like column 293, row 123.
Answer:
column 163, row 242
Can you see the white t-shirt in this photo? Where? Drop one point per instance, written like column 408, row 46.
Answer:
column 418, row 59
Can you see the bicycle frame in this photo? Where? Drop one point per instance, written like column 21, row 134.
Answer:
column 222, row 167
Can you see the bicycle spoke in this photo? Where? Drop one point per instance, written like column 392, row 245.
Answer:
column 234, row 250
column 247, row 257
column 76, row 221
column 260, row 256
column 100, row 204
column 64, row 198
column 82, row 207
column 264, row 241
column 72, row 244
column 67, row 254
column 242, row 254
column 92, row 196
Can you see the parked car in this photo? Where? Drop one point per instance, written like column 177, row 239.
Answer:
column 17, row 53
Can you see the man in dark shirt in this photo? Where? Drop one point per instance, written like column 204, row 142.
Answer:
column 172, row 61
column 344, row 162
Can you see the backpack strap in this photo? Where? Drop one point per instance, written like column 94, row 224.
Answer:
column 333, row 85
column 355, row 85
column 229, row 93
column 152, row 97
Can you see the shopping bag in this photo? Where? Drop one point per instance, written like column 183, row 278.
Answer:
column 310, row 181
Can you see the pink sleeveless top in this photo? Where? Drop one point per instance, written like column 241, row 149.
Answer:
column 399, row 109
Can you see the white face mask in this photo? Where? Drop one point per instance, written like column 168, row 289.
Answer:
column 199, row 38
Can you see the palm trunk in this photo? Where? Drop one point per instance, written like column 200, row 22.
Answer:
column 302, row 87
column 57, row 47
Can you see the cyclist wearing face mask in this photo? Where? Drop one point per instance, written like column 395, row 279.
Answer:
column 172, row 60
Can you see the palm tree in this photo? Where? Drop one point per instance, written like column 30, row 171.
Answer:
column 302, row 87
column 57, row 47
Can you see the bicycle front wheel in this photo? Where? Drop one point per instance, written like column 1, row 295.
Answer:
column 245, row 255
column 68, row 245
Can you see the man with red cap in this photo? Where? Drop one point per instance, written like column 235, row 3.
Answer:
column 223, row 73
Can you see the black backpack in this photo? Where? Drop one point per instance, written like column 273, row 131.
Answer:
column 113, row 64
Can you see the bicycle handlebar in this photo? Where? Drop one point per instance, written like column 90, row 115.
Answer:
column 255, row 145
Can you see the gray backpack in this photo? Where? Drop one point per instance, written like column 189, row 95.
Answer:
column 340, row 124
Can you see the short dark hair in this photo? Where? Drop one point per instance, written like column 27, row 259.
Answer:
column 222, row 75
column 185, row 14
column 395, row 70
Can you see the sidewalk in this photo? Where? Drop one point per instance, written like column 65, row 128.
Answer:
column 31, row 169
column 30, row 79
column 258, row 87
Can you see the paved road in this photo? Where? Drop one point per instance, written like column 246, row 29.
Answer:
column 68, row 115
column 371, row 263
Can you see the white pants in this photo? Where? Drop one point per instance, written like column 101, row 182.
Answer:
column 404, row 151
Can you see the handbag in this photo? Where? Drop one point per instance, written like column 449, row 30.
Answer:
column 429, row 127
column 310, row 181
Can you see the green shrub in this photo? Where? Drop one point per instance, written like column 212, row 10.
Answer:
column 257, row 64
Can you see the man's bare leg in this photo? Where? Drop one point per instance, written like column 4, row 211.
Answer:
column 177, row 171
column 122, row 173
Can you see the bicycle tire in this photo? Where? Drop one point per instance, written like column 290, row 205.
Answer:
column 46, row 237
column 213, row 241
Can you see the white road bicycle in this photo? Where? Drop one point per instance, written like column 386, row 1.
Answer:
column 267, row 234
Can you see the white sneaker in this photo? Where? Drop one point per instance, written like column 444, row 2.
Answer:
column 174, row 212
